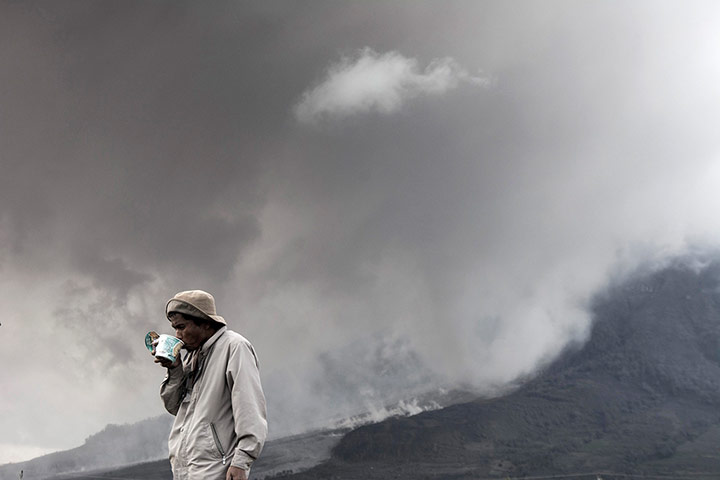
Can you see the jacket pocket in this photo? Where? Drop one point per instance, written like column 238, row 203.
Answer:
column 218, row 445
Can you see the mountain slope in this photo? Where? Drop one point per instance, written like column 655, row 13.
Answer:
column 114, row 445
column 642, row 395
column 128, row 447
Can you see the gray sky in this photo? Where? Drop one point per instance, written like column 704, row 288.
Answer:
column 383, row 197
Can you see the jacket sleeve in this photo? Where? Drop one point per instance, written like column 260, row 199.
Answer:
column 172, row 389
column 248, row 405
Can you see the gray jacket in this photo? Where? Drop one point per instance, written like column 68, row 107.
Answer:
column 220, row 417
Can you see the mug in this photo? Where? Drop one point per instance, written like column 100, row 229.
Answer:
column 167, row 346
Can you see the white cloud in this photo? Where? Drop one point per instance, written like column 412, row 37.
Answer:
column 379, row 82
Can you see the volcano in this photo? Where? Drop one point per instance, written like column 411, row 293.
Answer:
column 640, row 397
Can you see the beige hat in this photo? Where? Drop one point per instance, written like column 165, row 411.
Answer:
column 195, row 303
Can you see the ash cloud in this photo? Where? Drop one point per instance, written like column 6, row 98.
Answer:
column 149, row 149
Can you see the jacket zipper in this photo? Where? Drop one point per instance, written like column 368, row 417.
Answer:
column 217, row 443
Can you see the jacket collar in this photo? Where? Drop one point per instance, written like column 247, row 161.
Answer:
column 211, row 341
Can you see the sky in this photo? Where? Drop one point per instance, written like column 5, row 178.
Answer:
column 385, row 198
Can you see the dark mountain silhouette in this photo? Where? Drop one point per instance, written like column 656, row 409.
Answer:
column 642, row 396
column 115, row 445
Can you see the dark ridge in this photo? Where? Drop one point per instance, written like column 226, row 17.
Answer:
column 115, row 445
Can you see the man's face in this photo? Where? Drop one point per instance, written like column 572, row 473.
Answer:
column 192, row 335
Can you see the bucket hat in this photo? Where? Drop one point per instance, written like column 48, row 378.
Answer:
column 195, row 303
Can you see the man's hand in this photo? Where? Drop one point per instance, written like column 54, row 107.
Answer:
column 236, row 473
column 164, row 361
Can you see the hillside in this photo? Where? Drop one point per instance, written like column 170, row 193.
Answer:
column 641, row 396
column 115, row 445
column 135, row 448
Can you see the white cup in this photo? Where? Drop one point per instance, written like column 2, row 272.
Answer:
column 168, row 347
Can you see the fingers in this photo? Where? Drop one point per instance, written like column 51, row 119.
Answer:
column 164, row 362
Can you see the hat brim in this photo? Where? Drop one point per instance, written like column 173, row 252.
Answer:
column 187, row 308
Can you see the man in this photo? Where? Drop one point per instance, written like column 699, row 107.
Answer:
column 214, row 392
